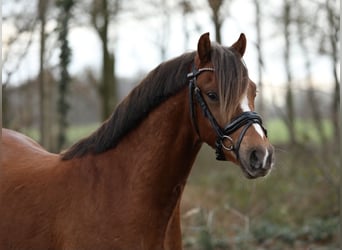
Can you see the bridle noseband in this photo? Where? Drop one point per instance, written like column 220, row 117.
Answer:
column 245, row 119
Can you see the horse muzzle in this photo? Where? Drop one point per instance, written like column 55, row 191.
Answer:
column 257, row 162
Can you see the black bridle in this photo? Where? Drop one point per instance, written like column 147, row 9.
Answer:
column 245, row 119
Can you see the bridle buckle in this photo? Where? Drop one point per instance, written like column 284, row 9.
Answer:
column 231, row 146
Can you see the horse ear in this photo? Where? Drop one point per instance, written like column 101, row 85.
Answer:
column 240, row 44
column 204, row 48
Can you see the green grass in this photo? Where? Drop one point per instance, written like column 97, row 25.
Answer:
column 74, row 132
column 305, row 131
column 77, row 132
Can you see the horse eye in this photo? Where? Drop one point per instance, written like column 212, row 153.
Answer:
column 213, row 96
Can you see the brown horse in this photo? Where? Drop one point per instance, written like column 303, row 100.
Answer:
column 120, row 188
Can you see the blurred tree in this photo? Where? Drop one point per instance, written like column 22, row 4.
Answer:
column 15, row 45
column 163, row 10
column 4, row 107
column 19, row 20
column 258, row 26
column 332, row 35
column 25, row 23
column 44, row 87
column 65, row 7
column 290, row 113
column 306, row 31
column 102, row 12
column 186, row 8
column 164, row 34
column 215, row 6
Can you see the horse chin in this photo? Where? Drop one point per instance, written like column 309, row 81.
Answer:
column 248, row 171
column 254, row 174
column 251, row 173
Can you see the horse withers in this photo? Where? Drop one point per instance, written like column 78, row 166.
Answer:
column 121, row 187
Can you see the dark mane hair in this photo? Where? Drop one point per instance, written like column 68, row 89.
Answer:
column 161, row 83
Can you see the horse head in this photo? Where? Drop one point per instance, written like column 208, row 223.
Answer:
column 222, row 107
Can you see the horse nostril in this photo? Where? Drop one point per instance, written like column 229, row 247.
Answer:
column 256, row 159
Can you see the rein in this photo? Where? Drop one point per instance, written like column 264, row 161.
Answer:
column 245, row 119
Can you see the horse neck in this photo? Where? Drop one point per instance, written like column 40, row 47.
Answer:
column 155, row 159
column 164, row 146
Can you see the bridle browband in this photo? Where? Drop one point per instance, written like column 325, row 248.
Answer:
column 245, row 119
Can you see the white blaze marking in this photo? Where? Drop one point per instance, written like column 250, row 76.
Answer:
column 265, row 159
column 259, row 130
column 245, row 107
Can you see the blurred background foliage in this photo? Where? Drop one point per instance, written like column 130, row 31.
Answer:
column 297, row 205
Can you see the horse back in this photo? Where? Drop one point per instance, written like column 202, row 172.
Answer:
column 12, row 140
column 25, row 197
column 18, row 150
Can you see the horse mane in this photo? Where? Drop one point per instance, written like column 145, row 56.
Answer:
column 161, row 83
column 164, row 81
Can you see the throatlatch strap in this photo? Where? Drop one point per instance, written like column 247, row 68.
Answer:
column 192, row 108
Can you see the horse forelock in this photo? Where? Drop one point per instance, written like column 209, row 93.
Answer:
column 232, row 77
